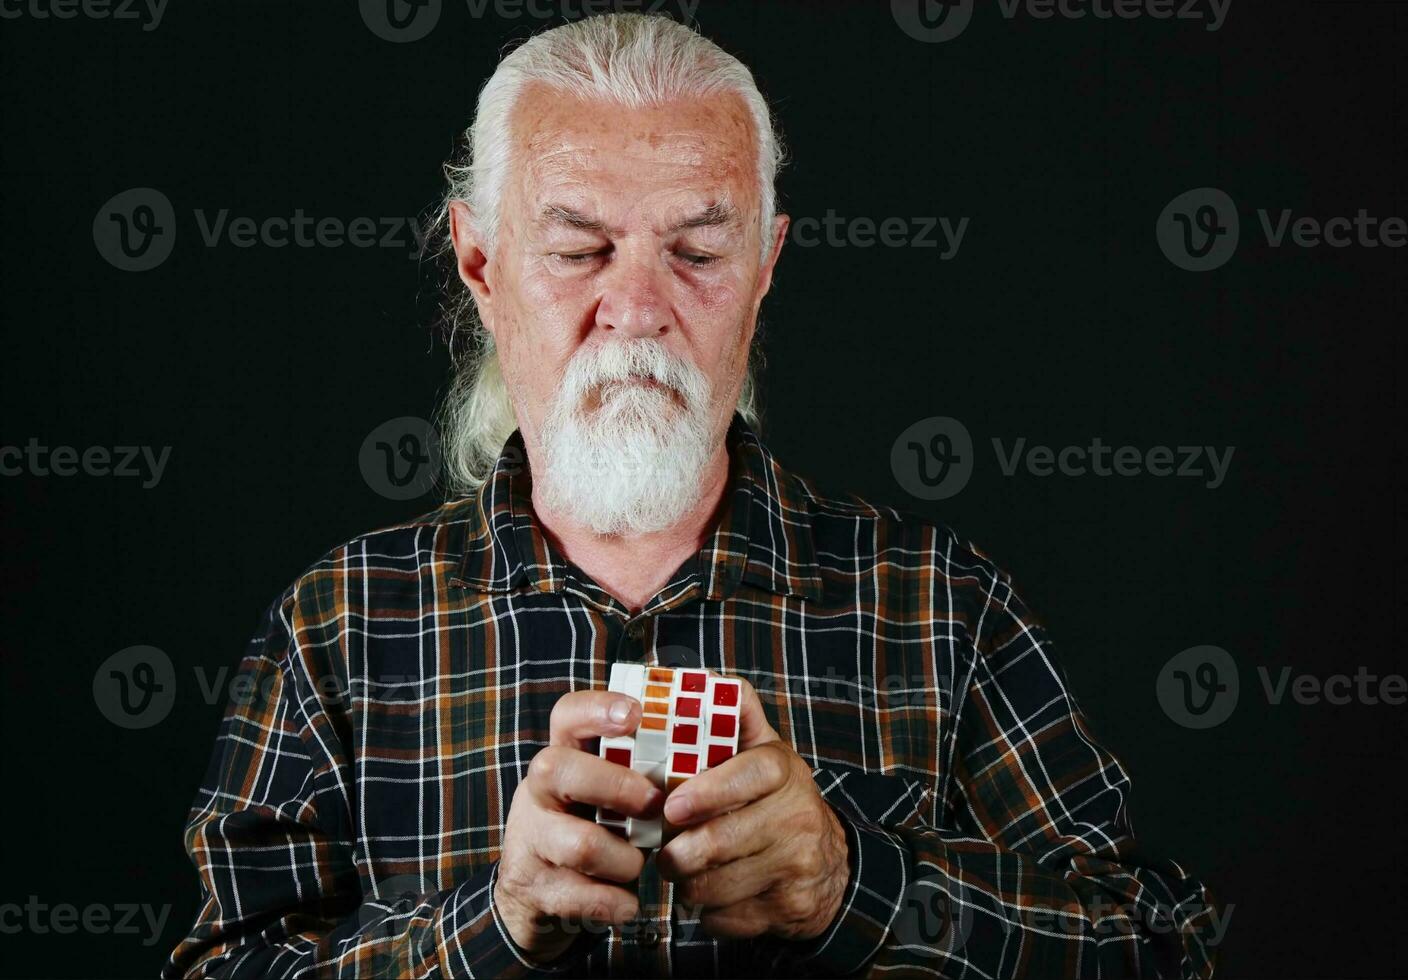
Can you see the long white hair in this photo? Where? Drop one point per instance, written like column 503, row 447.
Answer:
column 636, row 60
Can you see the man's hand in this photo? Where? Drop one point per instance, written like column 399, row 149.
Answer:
column 556, row 869
column 763, row 852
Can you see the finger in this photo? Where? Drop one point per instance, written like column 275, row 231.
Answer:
column 559, row 777
column 748, row 776
column 580, row 845
column 753, row 726
column 563, row 893
column 729, row 884
column 717, row 842
column 581, row 716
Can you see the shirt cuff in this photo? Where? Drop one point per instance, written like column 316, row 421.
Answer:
column 879, row 864
column 477, row 943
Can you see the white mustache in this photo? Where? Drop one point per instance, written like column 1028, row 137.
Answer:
column 634, row 360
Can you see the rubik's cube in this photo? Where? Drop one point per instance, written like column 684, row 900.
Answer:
column 690, row 724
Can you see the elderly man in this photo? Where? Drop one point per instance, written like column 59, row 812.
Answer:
column 408, row 789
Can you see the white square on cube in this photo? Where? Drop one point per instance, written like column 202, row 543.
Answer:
column 627, row 679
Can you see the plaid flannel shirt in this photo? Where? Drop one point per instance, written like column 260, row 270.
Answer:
column 350, row 820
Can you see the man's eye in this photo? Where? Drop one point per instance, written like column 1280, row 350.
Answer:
column 577, row 258
column 698, row 260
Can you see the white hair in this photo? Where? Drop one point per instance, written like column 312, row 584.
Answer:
column 636, row 60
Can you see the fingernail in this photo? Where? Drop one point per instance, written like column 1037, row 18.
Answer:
column 678, row 808
column 620, row 711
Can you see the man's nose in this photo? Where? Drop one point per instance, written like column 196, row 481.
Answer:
column 635, row 301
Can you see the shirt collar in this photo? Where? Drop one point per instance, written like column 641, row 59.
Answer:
column 763, row 535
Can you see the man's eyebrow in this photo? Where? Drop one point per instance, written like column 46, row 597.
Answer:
column 720, row 213
column 715, row 214
column 561, row 214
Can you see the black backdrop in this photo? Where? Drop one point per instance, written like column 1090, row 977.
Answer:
column 1058, row 320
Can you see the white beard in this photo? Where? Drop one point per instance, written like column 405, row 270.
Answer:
column 635, row 463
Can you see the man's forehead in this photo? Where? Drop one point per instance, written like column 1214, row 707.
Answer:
column 687, row 156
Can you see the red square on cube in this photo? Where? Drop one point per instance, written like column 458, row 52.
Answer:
column 687, row 707
column 693, row 681
column 726, row 694
column 719, row 754
column 723, row 726
column 686, row 735
column 686, row 762
column 622, row 757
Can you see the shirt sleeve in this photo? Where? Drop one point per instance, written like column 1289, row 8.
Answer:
column 1022, row 861
column 269, row 835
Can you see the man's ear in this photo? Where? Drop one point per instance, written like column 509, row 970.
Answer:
column 471, row 258
column 780, row 224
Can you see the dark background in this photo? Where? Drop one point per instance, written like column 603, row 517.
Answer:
column 1058, row 320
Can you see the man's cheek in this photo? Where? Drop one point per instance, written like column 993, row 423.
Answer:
column 715, row 298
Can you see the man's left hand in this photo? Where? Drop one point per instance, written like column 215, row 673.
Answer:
column 761, row 851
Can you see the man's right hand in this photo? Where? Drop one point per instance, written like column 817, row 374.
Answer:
column 556, row 869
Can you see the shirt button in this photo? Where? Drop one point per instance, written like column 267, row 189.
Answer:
column 636, row 630
column 649, row 936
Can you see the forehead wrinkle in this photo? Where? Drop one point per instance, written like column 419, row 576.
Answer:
column 578, row 163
